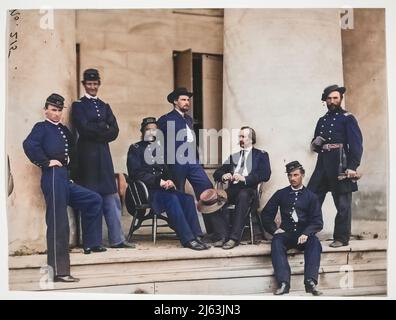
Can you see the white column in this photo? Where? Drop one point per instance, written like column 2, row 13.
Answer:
column 43, row 62
column 276, row 64
column 365, row 78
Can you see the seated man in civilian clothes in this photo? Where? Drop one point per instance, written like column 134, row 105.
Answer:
column 48, row 146
column 243, row 170
column 146, row 163
column 301, row 219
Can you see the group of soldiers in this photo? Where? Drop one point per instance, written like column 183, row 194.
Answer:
column 164, row 162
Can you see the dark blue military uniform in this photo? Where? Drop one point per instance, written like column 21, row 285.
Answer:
column 49, row 141
column 97, row 126
column 179, row 207
column 337, row 128
column 300, row 214
column 192, row 170
column 241, row 194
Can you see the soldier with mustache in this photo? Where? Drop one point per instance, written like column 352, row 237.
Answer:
column 339, row 144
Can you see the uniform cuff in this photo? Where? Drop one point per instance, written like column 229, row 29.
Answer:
column 352, row 166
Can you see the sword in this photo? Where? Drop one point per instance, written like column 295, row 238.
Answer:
column 354, row 178
column 342, row 166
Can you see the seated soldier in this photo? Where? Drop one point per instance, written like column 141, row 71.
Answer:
column 146, row 163
column 301, row 219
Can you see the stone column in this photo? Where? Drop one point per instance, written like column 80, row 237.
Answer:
column 366, row 97
column 43, row 62
column 276, row 64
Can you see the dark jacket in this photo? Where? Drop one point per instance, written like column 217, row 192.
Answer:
column 306, row 205
column 96, row 126
column 147, row 170
column 48, row 141
column 337, row 127
column 258, row 167
column 175, row 120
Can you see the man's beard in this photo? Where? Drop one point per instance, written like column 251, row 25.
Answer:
column 334, row 107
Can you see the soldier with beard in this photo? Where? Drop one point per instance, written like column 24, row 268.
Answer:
column 339, row 144
column 146, row 163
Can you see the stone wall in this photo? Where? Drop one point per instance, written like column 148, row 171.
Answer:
column 133, row 51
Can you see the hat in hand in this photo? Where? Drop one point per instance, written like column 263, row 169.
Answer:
column 211, row 200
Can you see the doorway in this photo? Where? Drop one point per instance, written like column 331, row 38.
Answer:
column 203, row 74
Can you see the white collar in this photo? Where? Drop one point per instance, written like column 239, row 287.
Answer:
column 299, row 189
column 55, row 123
column 91, row 97
column 247, row 150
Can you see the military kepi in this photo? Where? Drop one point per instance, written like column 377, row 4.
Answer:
column 91, row 75
column 56, row 100
column 330, row 89
column 147, row 121
column 291, row 166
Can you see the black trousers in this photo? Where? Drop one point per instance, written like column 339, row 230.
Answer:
column 59, row 192
column 229, row 225
column 195, row 174
column 342, row 225
column 312, row 248
column 181, row 211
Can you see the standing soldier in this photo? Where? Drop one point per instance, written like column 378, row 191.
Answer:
column 339, row 144
column 181, row 146
column 48, row 146
column 97, row 126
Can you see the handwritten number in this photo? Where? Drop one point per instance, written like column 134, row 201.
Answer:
column 13, row 35
column 11, row 48
column 14, row 12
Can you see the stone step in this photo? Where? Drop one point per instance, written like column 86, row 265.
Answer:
column 243, row 270
column 171, row 250
column 329, row 284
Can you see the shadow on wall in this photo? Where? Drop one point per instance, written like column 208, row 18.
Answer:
column 10, row 177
